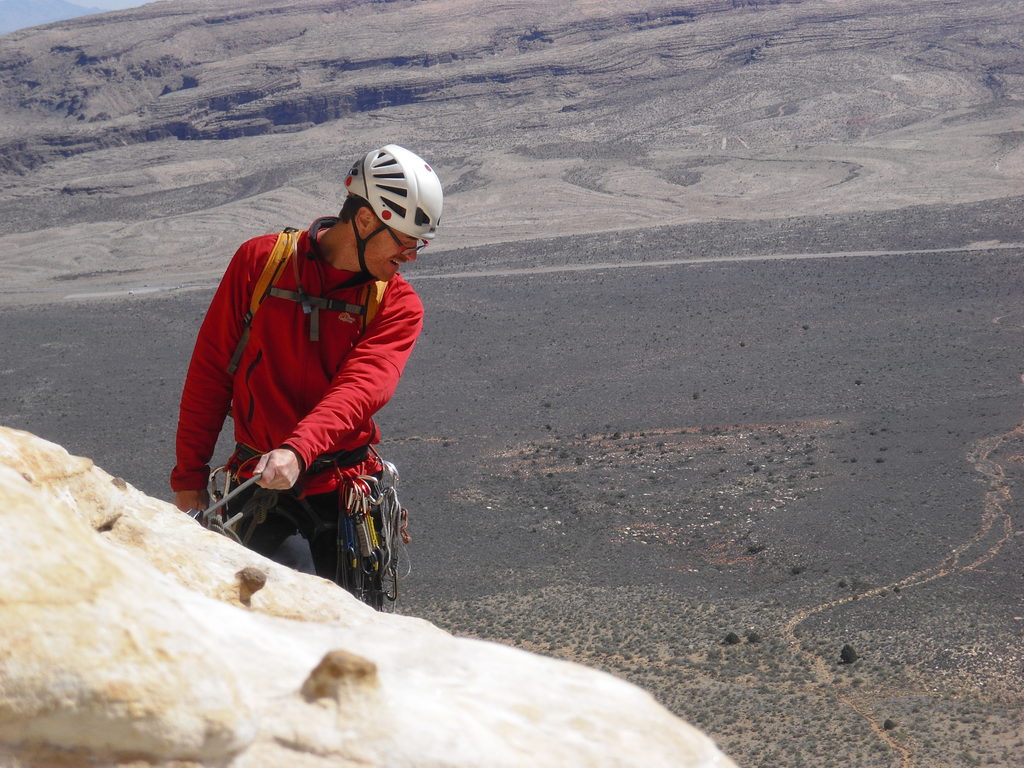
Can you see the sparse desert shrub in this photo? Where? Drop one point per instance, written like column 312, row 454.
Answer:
column 848, row 655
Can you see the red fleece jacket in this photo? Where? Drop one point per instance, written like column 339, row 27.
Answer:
column 313, row 396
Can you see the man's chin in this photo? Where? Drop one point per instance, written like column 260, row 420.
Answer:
column 389, row 271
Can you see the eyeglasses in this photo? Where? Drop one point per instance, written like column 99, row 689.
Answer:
column 407, row 249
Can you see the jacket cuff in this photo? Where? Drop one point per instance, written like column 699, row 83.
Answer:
column 190, row 481
column 302, row 459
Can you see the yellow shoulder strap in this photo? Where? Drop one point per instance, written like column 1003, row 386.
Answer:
column 374, row 295
column 283, row 250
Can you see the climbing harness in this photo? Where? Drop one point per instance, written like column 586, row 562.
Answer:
column 372, row 525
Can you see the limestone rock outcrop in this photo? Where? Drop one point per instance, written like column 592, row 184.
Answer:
column 130, row 636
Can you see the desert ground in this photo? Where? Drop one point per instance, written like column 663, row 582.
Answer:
column 720, row 383
column 707, row 476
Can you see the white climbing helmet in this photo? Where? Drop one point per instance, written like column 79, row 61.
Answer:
column 401, row 188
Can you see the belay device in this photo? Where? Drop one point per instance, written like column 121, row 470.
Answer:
column 213, row 516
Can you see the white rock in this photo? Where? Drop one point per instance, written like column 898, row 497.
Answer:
column 129, row 638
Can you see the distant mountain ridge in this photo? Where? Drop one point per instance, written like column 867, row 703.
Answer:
column 212, row 69
column 19, row 14
column 221, row 69
column 545, row 118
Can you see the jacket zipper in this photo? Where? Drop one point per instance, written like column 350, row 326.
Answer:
column 248, row 389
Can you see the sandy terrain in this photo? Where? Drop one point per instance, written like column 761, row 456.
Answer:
column 806, row 453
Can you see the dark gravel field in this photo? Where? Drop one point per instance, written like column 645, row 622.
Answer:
column 708, row 478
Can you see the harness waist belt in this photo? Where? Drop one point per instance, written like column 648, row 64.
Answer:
column 323, row 462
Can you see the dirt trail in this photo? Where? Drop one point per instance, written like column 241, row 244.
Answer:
column 711, row 260
column 993, row 515
column 99, row 288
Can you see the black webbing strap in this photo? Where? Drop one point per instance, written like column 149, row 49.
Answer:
column 341, row 459
column 240, row 347
column 312, row 305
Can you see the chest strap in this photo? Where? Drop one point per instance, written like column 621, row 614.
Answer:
column 312, row 305
column 285, row 250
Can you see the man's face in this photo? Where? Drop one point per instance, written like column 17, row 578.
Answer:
column 388, row 249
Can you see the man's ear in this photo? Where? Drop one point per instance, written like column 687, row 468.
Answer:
column 366, row 220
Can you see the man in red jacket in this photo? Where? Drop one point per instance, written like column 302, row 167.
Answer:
column 310, row 376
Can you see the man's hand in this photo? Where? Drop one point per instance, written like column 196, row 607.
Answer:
column 186, row 500
column 281, row 469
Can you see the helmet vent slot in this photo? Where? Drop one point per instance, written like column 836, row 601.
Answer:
column 394, row 206
column 395, row 190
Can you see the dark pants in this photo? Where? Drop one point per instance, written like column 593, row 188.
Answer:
column 299, row 533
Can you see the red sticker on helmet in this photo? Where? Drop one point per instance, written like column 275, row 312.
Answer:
column 348, row 181
column 385, row 215
column 428, row 167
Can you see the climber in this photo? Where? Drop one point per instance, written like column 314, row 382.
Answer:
column 303, row 359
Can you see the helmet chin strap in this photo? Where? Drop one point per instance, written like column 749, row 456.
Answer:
column 361, row 246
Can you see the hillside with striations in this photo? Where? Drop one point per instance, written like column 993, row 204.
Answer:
column 547, row 118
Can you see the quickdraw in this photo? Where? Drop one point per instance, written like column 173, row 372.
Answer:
column 372, row 534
